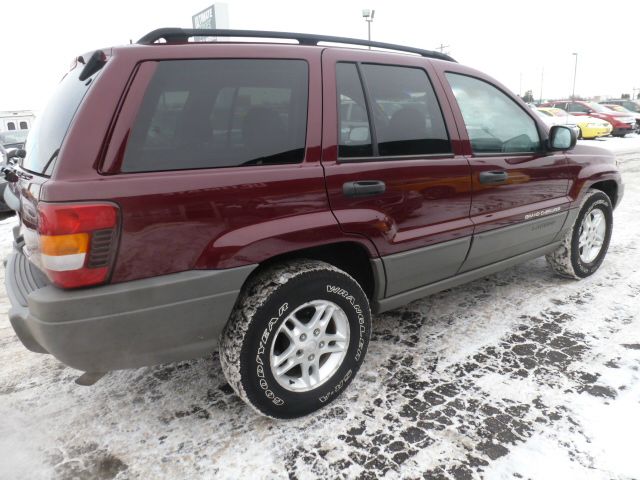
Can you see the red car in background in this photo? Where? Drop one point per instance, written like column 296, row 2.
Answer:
column 621, row 123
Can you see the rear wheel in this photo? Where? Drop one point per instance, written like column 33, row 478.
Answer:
column 585, row 246
column 296, row 338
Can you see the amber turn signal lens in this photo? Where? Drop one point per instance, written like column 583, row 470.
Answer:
column 56, row 245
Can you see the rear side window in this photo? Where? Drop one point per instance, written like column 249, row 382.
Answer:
column 11, row 126
column 406, row 114
column 23, row 126
column 50, row 128
column 354, row 129
column 577, row 108
column 495, row 123
column 220, row 113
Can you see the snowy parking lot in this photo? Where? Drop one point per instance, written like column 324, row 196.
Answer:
column 518, row 375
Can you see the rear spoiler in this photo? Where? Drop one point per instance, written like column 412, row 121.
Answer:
column 97, row 60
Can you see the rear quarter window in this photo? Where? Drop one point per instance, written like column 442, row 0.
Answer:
column 50, row 128
column 220, row 113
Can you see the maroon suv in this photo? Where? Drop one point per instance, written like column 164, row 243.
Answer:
column 264, row 199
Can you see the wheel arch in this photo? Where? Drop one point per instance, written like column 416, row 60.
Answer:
column 349, row 256
column 609, row 188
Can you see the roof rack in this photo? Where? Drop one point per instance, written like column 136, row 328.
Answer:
column 181, row 35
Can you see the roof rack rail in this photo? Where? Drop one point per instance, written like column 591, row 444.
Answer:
column 180, row 35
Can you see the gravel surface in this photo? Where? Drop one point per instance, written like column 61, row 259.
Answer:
column 519, row 375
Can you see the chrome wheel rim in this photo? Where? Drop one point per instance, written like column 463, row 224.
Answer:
column 309, row 346
column 592, row 232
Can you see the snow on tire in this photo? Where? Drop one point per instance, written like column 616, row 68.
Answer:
column 584, row 247
column 296, row 338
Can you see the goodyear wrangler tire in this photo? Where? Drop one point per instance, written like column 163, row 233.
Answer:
column 585, row 246
column 296, row 338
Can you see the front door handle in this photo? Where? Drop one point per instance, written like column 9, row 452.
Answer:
column 363, row 188
column 493, row 177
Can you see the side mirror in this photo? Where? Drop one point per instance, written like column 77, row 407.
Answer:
column 562, row 138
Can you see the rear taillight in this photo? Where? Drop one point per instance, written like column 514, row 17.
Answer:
column 77, row 242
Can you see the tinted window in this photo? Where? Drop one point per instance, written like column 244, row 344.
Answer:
column 23, row 126
column 495, row 123
column 406, row 114
column 577, row 107
column 220, row 113
column 50, row 128
column 11, row 126
column 354, row 131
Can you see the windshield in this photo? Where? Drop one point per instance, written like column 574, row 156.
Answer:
column 632, row 106
column 14, row 136
column 599, row 108
column 51, row 127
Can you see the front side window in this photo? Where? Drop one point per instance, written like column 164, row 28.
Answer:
column 495, row 123
column 220, row 113
column 23, row 126
column 11, row 126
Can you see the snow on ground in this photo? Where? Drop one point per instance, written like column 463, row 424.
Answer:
column 518, row 375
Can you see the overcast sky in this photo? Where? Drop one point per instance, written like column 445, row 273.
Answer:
column 510, row 40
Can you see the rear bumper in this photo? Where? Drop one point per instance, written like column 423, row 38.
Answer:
column 593, row 132
column 143, row 322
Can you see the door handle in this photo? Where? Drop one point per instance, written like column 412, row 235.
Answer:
column 493, row 177
column 363, row 188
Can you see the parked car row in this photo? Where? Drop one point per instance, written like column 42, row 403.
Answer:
column 622, row 122
column 586, row 127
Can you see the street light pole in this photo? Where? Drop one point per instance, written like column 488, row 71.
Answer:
column 575, row 72
column 541, row 83
column 368, row 17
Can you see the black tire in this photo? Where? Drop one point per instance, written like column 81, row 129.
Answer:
column 566, row 259
column 265, row 304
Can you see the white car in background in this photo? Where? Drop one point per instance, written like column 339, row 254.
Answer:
column 552, row 120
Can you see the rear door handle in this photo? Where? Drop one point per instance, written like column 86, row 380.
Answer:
column 493, row 177
column 364, row 188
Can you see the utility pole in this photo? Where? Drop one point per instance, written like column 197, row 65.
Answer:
column 442, row 47
column 520, row 89
column 541, row 83
column 575, row 72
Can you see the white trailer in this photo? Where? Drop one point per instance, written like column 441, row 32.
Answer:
column 11, row 120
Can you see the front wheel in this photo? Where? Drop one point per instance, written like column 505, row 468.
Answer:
column 296, row 338
column 585, row 246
